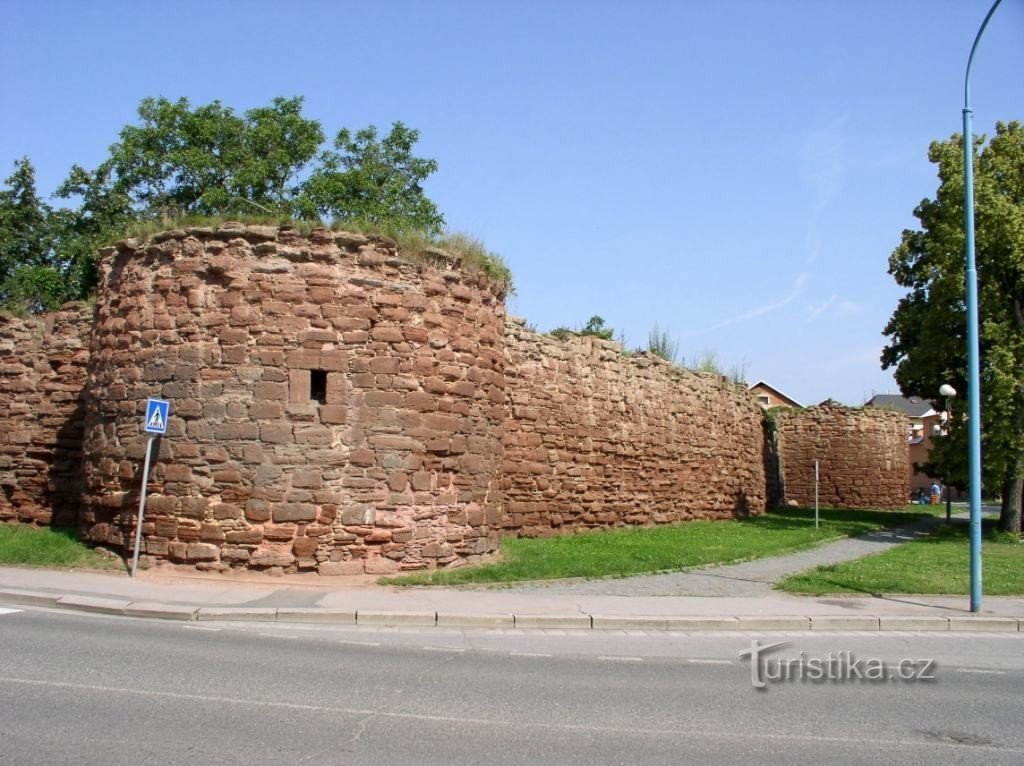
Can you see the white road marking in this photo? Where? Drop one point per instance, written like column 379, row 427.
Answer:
column 710, row 662
column 449, row 649
column 8, row 611
column 979, row 671
column 359, row 643
column 529, row 654
column 202, row 627
column 613, row 658
column 702, row 733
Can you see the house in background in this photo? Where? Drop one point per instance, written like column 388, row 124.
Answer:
column 922, row 423
column 769, row 396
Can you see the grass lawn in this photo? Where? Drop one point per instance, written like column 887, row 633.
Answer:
column 46, row 547
column 621, row 552
column 938, row 564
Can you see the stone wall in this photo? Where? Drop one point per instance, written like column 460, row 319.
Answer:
column 334, row 408
column 338, row 409
column 42, row 375
column 594, row 438
column 862, row 456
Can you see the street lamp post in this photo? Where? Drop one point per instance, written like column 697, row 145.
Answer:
column 947, row 392
column 973, row 376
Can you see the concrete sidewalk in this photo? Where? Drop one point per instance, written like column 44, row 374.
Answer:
column 175, row 595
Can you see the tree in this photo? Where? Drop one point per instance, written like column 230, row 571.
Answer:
column 30, row 276
column 204, row 161
column 927, row 331
column 374, row 182
column 207, row 160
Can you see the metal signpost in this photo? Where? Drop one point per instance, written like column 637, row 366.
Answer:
column 155, row 424
column 815, row 494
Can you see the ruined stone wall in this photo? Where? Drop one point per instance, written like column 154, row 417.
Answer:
column 42, row 375
column 597, row 439
column 862, row 456
column 333, row 407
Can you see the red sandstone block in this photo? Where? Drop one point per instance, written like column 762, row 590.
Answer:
column 387, row 334
column 211, row 533
column 304, row 547
column 276, row 433
column 163, row 504
column 315, row 435
column 293, row 512
column 384, row 365
column 435, row 386
column 227, row 476
column 257, row 510
column 384, row 399
column 222, row 511
column 393, row 441
column 270, row 558
column 265, row 410
column 270, row 391
column 334, row 360
column 311, row 479
column 362, row 457
column 415, row 334
column 331, row 414
column 177, row 472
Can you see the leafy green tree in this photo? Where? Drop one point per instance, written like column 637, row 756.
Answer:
column 595, row 326
column 373, row 181
column 31, row 278
column 207, row 160
column 204, row 161
column 927, row 331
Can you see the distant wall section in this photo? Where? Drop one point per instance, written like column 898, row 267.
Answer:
column 43, row 364
column 594, row 438
column 861, row 453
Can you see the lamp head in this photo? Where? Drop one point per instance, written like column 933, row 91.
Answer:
column 947, row 390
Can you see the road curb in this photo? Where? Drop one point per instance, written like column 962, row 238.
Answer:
column 93, row 604
column 575, row 621
column 28, row 598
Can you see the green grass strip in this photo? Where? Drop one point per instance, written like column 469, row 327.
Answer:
column 46, row 547
column 937, row 564
column 622, row 552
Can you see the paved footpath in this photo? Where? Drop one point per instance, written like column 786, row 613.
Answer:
column 737, row 597
column 748, row 579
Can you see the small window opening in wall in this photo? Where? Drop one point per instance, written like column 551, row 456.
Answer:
column 318, row 386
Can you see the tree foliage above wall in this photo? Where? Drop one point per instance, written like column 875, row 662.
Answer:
column 179, row 160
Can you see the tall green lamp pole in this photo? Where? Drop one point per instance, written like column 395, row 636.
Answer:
column 973, row 377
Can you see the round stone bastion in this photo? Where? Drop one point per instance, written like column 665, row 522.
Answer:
column 333, row 407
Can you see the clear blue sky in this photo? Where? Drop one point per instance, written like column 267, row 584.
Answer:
column 737, row 172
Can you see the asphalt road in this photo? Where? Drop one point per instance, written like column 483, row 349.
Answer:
column 81, row 689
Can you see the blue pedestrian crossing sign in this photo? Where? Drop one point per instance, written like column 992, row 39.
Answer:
column 156, row 415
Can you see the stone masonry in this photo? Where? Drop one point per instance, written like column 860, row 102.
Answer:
column 334, row 408
column 861, row 454
column 596, row 438
column 42, row 381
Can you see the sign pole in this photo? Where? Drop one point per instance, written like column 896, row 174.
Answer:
column 142, row 504
column 815, row 494
column 155, row 424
